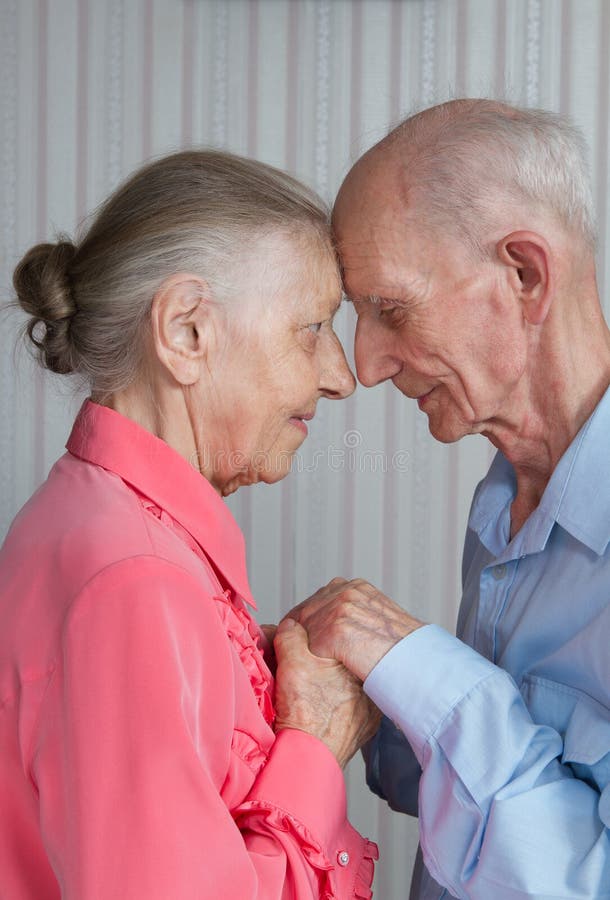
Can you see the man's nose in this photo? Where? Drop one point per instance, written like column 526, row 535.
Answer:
column 375, row 361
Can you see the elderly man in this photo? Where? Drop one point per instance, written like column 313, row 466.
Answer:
column 467, row 243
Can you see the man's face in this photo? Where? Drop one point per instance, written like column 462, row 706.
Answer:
column 446, row 329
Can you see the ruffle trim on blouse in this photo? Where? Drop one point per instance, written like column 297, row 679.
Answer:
column 366, row 871
column 278, row 820
column 170, row 523
column 244, row 634
column 248, row 750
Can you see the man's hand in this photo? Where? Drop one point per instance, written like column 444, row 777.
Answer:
column 353, row 622
column 320, row 696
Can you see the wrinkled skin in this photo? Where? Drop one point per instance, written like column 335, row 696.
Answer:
column 353, row 622
column 320, row 696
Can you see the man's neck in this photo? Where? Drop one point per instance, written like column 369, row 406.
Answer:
column 568, row 376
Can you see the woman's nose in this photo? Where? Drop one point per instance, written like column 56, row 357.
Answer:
column 337, row 380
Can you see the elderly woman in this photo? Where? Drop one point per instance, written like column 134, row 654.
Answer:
column 140, row 751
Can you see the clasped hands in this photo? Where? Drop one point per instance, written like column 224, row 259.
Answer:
column 325, row 648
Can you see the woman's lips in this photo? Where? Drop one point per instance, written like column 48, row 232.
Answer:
column 299, row 421
column 300, row 424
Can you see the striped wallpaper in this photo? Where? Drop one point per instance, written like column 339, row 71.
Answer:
column 92, row 88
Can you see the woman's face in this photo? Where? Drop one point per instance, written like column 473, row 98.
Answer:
column 277, row 356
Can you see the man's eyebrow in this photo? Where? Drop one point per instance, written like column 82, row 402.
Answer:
column 355, row 298
column 404, row 294
column 376, row 298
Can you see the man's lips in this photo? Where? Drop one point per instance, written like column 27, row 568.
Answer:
column 423, row 399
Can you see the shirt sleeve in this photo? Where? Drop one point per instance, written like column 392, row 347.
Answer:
column 500, row 815
column 392, row 769
column 132, row 747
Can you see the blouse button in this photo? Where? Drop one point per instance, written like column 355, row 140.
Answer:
column 343, row 857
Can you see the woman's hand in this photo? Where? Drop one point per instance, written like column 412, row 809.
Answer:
column 320, row 696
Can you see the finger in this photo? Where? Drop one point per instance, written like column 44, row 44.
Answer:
column 314, row 602
column 370, row 593
column 365, row 587
column 318, row 600
column 323, row 592
column 290, row 640
column 296, row 610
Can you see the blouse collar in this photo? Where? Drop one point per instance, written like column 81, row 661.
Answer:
column 106, row 438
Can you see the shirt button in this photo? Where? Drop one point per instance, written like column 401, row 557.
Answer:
column 499, row 572
column 343, row 857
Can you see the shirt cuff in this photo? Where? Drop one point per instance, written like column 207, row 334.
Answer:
column 303, row 778
column 422, row 678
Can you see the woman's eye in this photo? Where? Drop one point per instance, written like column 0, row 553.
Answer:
column 315, row 327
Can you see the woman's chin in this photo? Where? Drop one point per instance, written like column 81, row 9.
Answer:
column 269, row 473
column 281, row 467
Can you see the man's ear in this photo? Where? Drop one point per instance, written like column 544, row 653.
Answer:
column 179, row 314
column 530, row 256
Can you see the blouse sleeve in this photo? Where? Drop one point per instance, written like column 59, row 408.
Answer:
column 132, row 746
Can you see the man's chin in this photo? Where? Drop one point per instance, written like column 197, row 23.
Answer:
column 447, row 432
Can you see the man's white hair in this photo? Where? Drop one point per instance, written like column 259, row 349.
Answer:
column 466, row 158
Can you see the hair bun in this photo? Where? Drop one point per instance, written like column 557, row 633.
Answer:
column 42, row 284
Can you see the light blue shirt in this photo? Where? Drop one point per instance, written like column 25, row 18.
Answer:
column 509, row 726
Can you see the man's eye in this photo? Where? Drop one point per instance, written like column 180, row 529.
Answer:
column 391, row 312
column 315, row 327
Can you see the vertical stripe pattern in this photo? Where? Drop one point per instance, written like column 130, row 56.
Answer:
column 113, row 93
column 219, row 84
column 532, row 63
column 41, row 218
column 308, row 85
column 8, row 236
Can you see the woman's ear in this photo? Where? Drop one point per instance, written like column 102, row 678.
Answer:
column 179, row 314
column 529, row 255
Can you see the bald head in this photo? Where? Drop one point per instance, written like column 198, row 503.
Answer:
column 467, row 165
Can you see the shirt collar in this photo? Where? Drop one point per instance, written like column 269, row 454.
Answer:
column 106, row 438
column 583, row 508
column 577, row 496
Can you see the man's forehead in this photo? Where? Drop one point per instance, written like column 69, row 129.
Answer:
column 361, row 230
column 374, row 276
column 364, row 192
column 374, row 230
column 371, row 216
column 374, row 250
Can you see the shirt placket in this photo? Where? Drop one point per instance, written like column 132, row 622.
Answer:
column 495, row 584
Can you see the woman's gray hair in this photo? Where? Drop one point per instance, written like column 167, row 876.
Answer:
column 194, row 211
column 463, row 159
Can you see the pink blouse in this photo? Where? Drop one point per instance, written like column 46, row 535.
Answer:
column 137, row 755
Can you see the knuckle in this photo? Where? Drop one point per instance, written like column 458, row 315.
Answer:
column 349, row 598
